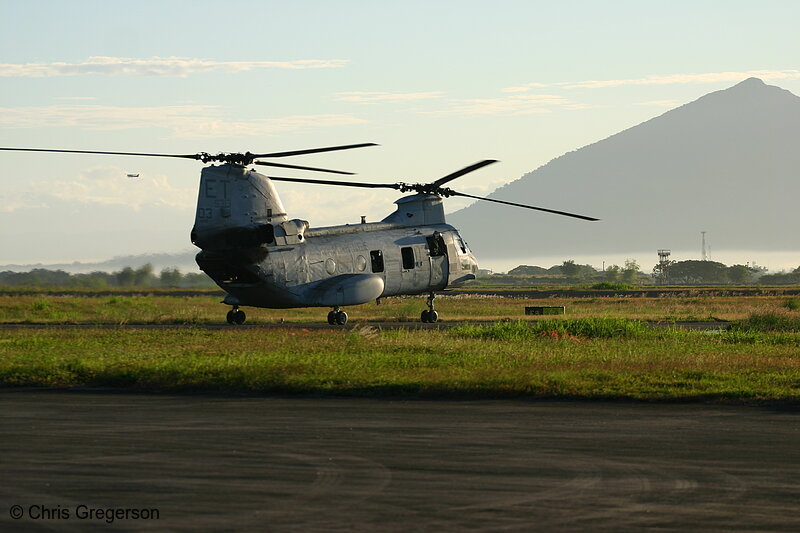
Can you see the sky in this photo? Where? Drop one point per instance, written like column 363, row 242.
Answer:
column 438, row 85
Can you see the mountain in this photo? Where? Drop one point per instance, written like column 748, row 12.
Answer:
column 727, row 163
column 183, row 261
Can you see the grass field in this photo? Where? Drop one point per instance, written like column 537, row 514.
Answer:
column 118, row 309
column 601, row 349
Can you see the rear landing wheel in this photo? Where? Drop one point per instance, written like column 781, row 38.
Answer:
column 337, row 317
column 236, row 317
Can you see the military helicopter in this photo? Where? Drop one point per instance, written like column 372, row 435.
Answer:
column 261, row 258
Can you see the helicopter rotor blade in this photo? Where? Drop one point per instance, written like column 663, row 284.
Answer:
column 233, row 158
column 564, row 213
column 429, row 188
column 314, row 150
column 465, row 170
column 182, row 156
column 340, row 183
column 281, row 165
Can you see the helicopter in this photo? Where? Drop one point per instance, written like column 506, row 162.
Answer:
column 261, row 258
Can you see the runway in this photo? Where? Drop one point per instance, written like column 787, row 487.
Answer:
column 339, row 464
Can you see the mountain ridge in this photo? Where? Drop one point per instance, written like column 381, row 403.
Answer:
column 721, row 163
column 184, row 261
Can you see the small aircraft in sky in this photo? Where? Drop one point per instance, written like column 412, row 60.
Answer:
column 261, row 258
column 133, row 175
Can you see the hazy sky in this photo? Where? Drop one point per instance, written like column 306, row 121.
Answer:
column 439, row 85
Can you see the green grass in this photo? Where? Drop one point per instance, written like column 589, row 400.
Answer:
column 613, row 286
column 774, row 321
column 556, row 328
column 45, row 308
column 792, row 304
column 616, row 363
column 602, row 349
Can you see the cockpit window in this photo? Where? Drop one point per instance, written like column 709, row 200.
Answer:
column 436, row 245
column 460, row 243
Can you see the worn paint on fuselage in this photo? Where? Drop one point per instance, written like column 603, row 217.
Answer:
column 291, row 272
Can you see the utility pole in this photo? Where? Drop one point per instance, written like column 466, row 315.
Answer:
column 703, row 253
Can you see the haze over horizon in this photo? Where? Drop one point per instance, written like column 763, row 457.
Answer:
column 438, row 86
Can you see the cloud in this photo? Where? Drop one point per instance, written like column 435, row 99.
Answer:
column 524, row 88
column 671, row 79
column 183, row 121
column 710, row 77
column 106, row 185
column 515, row 104
column 378, row 97
column 154, row 66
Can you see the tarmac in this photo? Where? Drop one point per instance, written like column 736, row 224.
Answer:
column 69, row 460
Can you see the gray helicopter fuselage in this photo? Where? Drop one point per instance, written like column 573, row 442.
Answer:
column 262, row 259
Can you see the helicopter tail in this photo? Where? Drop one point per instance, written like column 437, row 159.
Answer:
column 234, row 204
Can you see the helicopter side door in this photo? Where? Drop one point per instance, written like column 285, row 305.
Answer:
column 439, row 268
column 414, row 267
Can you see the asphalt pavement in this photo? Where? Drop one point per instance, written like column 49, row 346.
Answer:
column 78, row 460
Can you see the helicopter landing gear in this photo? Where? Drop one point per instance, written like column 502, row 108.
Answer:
column 430, row 315
column 236, row 316
column 337, row 317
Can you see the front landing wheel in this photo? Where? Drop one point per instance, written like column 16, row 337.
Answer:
column 429, row 317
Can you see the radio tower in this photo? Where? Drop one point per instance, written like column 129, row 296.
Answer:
column 703, row 253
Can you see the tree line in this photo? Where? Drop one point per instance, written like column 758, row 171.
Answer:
column 144, row 276
column 571, row 271
column 695, row 272
column 690, row 272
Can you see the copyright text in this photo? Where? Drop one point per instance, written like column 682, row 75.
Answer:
column 108, row 515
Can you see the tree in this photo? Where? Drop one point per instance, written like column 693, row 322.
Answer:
column 613, row 273
column 125, row 277
column 144, row 275
column 661, row 271
column 694, row 272
column 631, row 271
column 170, row 277
column 192, row 279
column 570, row 269
column 783, row 278
column 525, row 270
column 740, row 273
